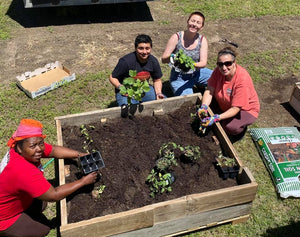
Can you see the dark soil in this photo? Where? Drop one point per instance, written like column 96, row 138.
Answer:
column 129, row 148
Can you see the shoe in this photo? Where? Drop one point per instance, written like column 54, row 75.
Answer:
column 238, row 137
column 124, row 111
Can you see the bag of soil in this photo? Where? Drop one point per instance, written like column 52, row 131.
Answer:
column 280, row 151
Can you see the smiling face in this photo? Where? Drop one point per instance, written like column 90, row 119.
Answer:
column 227, row 66
column 143, row 50
column 195, row 23
column 31, row 149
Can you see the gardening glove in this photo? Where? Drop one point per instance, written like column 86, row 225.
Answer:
column 172, row 58
column 202, row 111
column 210, row 120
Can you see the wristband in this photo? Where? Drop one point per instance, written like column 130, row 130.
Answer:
column 159, row 94
column 119, row 86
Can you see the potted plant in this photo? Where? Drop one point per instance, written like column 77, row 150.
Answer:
column 182, row 62
column 227, row 167
column 166, row 156
column 190, row 153
column 135, row 86
column 159, row 182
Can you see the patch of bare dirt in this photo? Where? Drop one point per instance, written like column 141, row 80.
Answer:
column 93, row 38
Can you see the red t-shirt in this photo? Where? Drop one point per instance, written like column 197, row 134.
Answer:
column 20, row 182
column 239, row 92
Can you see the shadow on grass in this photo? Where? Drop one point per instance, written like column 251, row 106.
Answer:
column 100, row 13
column 292, row 229
column 291, row 110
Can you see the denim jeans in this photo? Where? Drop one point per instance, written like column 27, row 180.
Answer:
column 149, row 96
column 182, row 84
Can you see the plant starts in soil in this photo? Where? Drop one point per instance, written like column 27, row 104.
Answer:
column 162, row 175
column 227, row 167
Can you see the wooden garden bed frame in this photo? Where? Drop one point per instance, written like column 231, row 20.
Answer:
column 168, row 218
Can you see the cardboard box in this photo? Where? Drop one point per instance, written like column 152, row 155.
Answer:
column 295, row 97
column 42, row 80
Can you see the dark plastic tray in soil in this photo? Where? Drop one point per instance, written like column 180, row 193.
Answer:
column 91, row 162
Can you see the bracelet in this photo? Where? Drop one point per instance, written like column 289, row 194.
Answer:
column 119, row 86
column 159, row 94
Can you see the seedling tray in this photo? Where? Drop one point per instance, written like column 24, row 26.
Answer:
column 91, row 162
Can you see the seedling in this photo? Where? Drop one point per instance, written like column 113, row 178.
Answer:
column 88, row 140
column 191, row 153
column 159, row 183
column 135, row 86
column 224, row 161
column 183, row 62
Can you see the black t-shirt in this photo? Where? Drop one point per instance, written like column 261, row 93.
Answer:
column 130, row 62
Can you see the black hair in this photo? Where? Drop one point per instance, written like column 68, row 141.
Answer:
column 199, row 14
column 227, row 50
column 19, row 144
column 142, row 39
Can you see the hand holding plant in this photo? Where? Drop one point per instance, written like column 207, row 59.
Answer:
column 183, row 62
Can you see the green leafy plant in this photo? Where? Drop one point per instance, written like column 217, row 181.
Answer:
column 183, row 62
column 167, row 154
column 159, row 183
column 191, row 153
column 135, row 86
column 88, row 140
column 224, row 161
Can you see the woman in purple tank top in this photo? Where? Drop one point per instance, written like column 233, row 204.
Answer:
column 194, row 45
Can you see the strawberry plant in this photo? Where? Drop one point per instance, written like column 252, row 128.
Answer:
column 183, row 62
column 135, row 86
column 159, row 183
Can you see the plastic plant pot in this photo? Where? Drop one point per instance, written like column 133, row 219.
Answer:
column 226, row 172
column 91, row 162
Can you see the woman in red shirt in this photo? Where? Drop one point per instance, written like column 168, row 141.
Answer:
column 23, row 187
column 232, row 87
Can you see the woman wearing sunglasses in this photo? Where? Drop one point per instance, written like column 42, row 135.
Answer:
column 232, row 87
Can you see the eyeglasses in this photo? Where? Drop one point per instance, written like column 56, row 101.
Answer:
column 227, row 64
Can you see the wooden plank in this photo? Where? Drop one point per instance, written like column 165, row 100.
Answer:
column 170, row 210
column 192, row 222
column 221, row 198
column 111, row 224
column 166, row 105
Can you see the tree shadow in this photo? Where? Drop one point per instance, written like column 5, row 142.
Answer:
column 99, row 13
column 288, row 230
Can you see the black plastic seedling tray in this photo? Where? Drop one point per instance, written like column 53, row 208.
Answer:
column 91, row 162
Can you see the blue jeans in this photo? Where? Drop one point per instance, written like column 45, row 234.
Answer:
column 150, row 95
column 182, row 84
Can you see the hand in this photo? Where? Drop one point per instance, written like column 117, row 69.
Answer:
column 202, row 111
column 160, row 96
column 172, row 58
column 90, row 178
column 210, row 120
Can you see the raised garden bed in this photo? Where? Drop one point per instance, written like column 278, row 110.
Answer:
column 226, row 201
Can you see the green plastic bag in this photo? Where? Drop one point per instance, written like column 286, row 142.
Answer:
column 280, row 151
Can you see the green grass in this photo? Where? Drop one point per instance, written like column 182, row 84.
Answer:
column 228, row 9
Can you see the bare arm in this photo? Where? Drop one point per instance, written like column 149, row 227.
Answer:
column 171, row 45
column 230, row 113
column 114, row 81
column 60, row 192
column 157, row 84
column 208, row 95
column 203, row 54
column 61, row 152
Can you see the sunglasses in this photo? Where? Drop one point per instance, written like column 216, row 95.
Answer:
column 227, row 64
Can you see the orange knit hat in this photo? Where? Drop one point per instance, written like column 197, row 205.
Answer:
column 27, row 128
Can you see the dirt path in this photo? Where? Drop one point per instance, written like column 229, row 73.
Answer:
column 91, row 39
